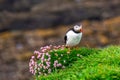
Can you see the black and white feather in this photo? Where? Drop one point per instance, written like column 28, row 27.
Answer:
column 73, row 36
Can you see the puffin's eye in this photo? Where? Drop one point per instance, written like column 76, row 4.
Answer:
column 76, row 26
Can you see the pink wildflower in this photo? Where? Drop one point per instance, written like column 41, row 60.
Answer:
column 58, row 65
column 43, row 57
column 33, row 57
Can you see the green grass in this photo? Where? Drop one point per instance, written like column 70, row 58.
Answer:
column 93, row 64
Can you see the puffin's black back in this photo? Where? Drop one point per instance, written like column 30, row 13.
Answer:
column 65, row 37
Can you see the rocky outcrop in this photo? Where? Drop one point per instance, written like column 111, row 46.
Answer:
column 29, row 14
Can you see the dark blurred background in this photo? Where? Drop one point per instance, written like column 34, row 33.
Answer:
column 26, row 25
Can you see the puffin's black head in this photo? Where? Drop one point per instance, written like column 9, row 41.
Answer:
column 78, row 28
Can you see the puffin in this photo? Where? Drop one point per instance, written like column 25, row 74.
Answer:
column 73, row 36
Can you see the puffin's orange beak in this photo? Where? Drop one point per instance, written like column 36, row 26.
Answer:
column 81, row 30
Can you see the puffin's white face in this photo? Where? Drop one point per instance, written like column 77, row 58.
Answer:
column 78, row 28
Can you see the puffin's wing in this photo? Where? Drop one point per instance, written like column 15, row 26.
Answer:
column 65, row 38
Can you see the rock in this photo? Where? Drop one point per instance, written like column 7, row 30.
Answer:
column 29, row 14
column 23, row 57
column 103, row 39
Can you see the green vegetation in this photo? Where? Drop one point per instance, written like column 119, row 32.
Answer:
column 90, row 64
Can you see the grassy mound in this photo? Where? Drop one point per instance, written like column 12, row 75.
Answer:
column 92, row 64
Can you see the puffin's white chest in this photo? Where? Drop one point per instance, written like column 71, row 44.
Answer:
column 73, row 38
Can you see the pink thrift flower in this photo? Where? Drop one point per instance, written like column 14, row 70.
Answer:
column 58, row 65
column 33, row 57
column 47, row 54
column 49, row 59
column 56, row 61
column 39, row 55
column 36, row 52
column 55, row 65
